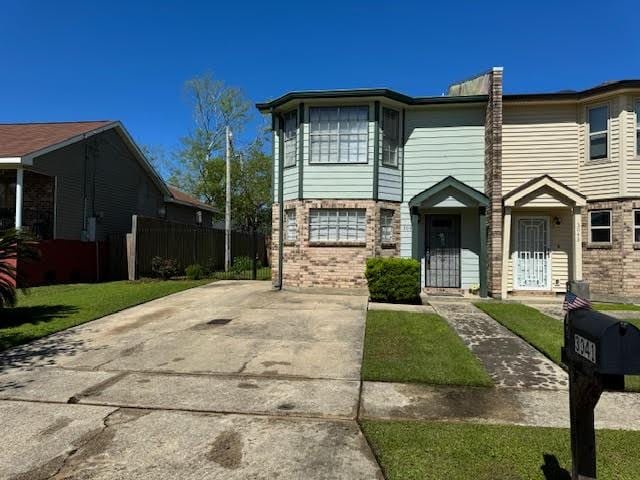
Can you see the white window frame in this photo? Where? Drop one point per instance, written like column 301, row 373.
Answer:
column 387, row 231
column 637, row 111
column 312, row 135
column 291, row 225
column 636, row 226
column 591, row 134
column 600, row 227
column 290, row 137
column 390, row 152
column 338, row 225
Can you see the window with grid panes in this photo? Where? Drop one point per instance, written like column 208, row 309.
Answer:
column 337, row 225
column 291, row 225
column 290, row 138
column 338, row 134
column 390, row 137
column 386, row 226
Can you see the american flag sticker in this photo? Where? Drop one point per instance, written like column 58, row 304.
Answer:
column 574, row 302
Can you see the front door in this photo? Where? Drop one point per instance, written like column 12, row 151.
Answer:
column 532, row 266
column 442, row 255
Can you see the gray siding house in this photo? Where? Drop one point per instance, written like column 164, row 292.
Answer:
column 372, row 172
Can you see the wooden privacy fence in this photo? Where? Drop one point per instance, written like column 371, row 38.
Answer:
column 184, row 243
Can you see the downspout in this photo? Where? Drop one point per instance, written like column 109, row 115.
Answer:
column 280, row 202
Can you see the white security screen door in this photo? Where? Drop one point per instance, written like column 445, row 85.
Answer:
column 532, row 266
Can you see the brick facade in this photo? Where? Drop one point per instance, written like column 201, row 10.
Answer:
column 613, row 271
column 331, row 264
column 493, row 182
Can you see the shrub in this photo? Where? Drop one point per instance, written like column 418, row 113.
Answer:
column 164, row 268
column 195, row 272
column 241, row 265
column 393, row 280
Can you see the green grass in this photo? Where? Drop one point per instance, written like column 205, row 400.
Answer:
column 617, row 306
column 414, row 347
column 46, row 310
column 543, row 332
column 428, row 450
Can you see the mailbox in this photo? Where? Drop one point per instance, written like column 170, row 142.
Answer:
column 602, row 344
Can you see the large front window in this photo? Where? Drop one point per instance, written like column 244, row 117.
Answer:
column 598, row 132
column 390, row 137
column 338, row 134
column 337, row 225
column 290, row 138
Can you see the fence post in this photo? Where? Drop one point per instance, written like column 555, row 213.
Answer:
column 131, row 248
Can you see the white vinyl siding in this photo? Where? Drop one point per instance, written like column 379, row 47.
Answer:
column 390, row 137
column 290, row 138
column 339, row 134
column 598, row 118
column 291, row 225
column 386, row 226
column 337, row 225
column 600, row 226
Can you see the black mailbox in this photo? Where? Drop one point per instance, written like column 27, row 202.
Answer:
column 602, row 344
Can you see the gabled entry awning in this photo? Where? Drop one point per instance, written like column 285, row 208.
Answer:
column 440, row 195
column 474, row 197
column 540, row 185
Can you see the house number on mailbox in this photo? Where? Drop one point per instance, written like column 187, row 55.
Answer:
column 585, row 348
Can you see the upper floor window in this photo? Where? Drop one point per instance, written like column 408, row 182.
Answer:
column 600, row 226
column 291, row 225
column 338, row 134
column 290, row 138
column 390, row 137
column 638, row 128
column 337, row 225
column 598, row 132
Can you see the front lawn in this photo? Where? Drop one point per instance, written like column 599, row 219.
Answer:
column 415, row 347
column 543, row 332
column 46, row 310
column 430, row 450
column 630, row 307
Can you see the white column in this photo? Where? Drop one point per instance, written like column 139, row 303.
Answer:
column 577, row 243
column 506, row 243
column 19, row 185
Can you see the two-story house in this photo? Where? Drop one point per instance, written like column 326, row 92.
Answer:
column 500, row 193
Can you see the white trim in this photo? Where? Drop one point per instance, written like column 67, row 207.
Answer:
column 11, row 160
column 514, row 254
column 547, row 182
column 19, row 197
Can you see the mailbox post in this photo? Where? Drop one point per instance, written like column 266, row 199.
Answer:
column 599, row 351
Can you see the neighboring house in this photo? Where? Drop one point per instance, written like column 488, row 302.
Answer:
column 487, row 190
column 82, row 182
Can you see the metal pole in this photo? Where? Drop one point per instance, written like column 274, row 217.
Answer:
column 227, row 208
column 19, row 188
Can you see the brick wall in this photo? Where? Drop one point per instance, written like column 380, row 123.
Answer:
column 613, row 271
column 331, row 265
column 493, row 182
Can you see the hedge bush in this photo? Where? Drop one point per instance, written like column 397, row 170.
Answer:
column 393, row 280
column 195, row 272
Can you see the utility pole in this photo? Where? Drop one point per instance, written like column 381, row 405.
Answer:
column 227, row 206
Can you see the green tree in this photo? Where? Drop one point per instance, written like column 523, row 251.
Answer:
column 14, row 244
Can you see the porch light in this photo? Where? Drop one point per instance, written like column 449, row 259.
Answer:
column 557, row 221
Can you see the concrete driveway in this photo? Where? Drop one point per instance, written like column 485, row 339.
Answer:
column 230, row 380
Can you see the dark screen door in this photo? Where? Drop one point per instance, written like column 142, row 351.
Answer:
column 442, row 251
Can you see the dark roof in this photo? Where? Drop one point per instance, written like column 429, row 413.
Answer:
column 184, row 198
column 20, row 139
column 574, row 95
column 367, row 92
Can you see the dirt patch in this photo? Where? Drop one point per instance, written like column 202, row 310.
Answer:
column 143, row 320
column 271, row 364
column 59, row 424
column 127, row 352
column 247, row 385
column 178, row 359
column 226, row 450
column 286, row 406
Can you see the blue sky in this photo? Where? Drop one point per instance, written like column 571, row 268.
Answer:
column 128, row 60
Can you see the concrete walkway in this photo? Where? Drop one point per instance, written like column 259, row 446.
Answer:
column 227, row 381
column 511, row 406
column 509, row 360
